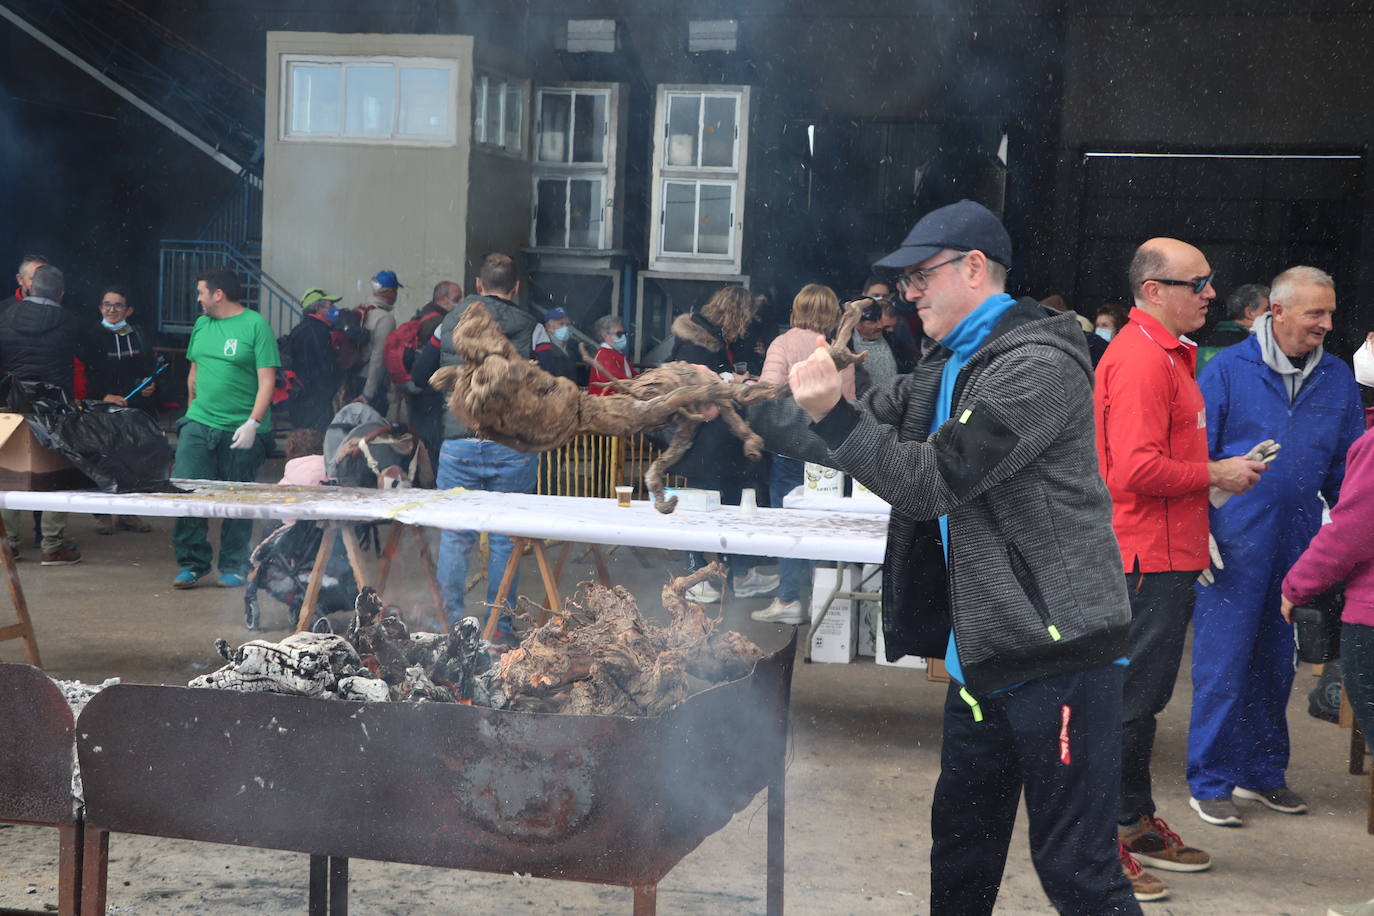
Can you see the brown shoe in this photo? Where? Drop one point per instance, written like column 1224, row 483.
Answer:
column 133, row 523
column 1152, row 842
column 104, row 524
column 62, row 556
column 1144, row 886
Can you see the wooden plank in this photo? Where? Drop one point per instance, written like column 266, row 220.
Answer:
column 24, row 628
column 503, row 591
column 312, row 587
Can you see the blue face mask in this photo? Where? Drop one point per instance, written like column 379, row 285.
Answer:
column 1104, row 333
column 332, row 313
column 113, row 327
column 562, row 334
column 621, row 343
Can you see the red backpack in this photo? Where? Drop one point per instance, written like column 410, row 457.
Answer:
column 400, row 348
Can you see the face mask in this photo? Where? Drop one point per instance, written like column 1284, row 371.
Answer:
column 332, row 313
column 1364, row 365
column 1104, row 333
column 621, row 343
column 562, row 334
column 113, row 327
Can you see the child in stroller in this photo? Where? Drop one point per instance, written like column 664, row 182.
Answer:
column 359, row 449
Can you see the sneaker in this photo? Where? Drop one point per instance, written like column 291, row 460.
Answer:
column 703, row 593
column 230, row 580
column 780, row 612
column 756, row 585
column 104, row 524
column 1144, row 886
column 1219, row 811
column 62, row 556
column 1152, row 842
column 1282, row 799
column 1352, row 909
column 186, row 579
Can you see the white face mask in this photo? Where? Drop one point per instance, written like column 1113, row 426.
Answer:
column 1364, row 365
column 1104, row 333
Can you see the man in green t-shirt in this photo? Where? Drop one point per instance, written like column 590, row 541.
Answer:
column 233, row 356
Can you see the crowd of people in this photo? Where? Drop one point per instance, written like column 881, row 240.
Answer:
column 1068, row 496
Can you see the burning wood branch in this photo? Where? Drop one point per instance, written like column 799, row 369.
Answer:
column 600, row 657
column 510, row 400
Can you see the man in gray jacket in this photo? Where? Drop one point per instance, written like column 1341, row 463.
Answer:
column 1000, row 557
column 466, row 461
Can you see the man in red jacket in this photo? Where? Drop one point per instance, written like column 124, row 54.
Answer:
column 1152, row 450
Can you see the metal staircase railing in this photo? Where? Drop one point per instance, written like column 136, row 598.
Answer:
column 181, row 260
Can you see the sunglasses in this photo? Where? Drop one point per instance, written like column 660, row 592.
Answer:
column 1197, row 284
column 919, row 279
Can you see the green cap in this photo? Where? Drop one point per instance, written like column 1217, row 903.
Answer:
column 315, row 295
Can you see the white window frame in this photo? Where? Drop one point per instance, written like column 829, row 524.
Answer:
column 480, row 82
column 342, row 62
column 696, row 262
column 604, row 170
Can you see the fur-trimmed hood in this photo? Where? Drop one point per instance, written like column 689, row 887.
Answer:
column 695, row 329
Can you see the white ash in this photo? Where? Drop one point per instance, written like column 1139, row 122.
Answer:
column 78, row 694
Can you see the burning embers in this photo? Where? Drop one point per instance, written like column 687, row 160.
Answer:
column 598, row 658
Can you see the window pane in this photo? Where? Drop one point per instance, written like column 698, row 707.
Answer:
column 550, row 219
column 314, row 99
column 370, row 91
column 713, row 235
column 515, row 115
column 491, row 129
column 555, row 110
column 683, row 115
column 425, row 95
column 718, row 133
column 679, row 216
column 584, row 214
column 479, row 108
column 589, row 141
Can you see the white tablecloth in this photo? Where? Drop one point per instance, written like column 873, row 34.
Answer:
column 857, row 537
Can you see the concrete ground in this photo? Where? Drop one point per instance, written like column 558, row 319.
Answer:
column 863, row 763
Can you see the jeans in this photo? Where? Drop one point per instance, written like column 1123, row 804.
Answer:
column 478, row 465
column 786, row 475
column 1161, row 606
column 1057, row 740
column 1357, row 669
column 203, row 453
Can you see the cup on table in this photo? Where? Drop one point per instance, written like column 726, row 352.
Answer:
column 622, row 496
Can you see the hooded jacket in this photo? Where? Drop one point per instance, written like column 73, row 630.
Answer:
column 716, row 455
column 1033, row 585
column 38, row 340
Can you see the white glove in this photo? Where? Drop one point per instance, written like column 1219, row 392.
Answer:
column 245, row 435
column 1207, row 577
column 1265, row 452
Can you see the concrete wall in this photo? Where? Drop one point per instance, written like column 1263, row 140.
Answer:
column 335, row 213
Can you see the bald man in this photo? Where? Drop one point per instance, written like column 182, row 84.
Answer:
column 1152, row 450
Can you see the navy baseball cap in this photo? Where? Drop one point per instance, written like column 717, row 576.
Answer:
column 386, row 279
column 555, row 313
column 963, row 226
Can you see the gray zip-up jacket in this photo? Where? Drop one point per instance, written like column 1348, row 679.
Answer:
column 514, row 323
column 1033, row 586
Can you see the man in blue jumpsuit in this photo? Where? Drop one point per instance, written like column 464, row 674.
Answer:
column 1280, row 384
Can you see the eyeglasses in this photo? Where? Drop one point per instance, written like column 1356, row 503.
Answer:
column 114, row 305
column 919, row 279
column 1198, row 284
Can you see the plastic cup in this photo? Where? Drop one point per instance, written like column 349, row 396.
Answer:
column 622, row 496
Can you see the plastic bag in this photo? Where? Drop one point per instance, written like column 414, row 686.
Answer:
column 121, row 449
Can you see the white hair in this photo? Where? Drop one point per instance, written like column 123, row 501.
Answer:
column 1286, row 284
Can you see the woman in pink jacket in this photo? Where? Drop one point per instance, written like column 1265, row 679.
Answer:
column 1343, row 551
column 815, row 310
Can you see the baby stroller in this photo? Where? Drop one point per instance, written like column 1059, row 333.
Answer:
column 361, row 450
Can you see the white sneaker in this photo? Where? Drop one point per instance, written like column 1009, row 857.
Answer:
column 703, row 593
column 780, row 612
column 755, row 585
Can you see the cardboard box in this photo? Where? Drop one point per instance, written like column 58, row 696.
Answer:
column 26, row 465
column 836, row 638
column 870, row 610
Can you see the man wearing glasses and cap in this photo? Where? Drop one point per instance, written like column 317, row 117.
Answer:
column 1152, row 449
column 1000, row 558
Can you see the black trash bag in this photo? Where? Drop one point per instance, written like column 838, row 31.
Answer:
column 121, row 449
